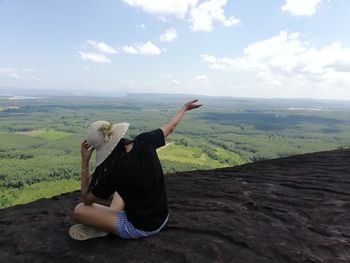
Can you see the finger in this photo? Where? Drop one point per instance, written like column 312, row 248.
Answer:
column 85, row 144
column 191, row 102
column 195, row 106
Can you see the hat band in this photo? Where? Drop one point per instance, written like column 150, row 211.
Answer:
column 106, row 139
column 100, row 145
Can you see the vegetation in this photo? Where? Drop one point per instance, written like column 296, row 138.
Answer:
column 40, row 138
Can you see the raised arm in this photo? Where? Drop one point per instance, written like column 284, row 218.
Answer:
column 171, row 125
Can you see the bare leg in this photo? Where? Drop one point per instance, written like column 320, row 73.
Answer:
column 96, row 215
column 100, row 216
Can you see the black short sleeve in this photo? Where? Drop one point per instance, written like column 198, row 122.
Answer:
column 155, row 138
column 138, row 178
column 101, row 184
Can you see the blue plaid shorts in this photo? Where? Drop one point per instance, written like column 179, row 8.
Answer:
column 127, row 231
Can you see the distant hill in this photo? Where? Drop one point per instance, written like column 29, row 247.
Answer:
column 294, row 209
column 251, row 103
column 164, row 98
column 15, row 91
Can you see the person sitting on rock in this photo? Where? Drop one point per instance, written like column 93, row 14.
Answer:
column 132, row 173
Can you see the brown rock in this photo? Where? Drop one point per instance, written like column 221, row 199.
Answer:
column 294, row 209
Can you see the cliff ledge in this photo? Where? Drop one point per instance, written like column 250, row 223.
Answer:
column 294, row 209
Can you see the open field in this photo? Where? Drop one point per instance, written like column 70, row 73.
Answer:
column 40, row 137
column 49, row 134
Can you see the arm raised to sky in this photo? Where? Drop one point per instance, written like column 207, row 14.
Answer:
column 171, row 125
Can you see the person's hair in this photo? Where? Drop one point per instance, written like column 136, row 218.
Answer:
column 117, row 162
column 125, row 141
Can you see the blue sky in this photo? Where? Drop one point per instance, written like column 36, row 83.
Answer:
column 241, row 48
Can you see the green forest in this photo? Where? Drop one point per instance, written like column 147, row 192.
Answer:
column 40, row 137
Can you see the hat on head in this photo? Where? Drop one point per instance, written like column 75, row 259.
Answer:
column 104, row 136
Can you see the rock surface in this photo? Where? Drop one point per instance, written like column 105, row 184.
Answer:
column 294, row 209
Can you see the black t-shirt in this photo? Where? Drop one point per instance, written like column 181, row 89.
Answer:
column 137, row 176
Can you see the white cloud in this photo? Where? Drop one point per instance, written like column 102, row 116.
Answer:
column 130, row 50
column 29, row 70
column 15, row 75
column 287, row 63
column 166, row 76
column 301, row 7
column 98, row 56
column 176, row 82
column 169, row 35
column 163, row 7
column 4, row 71
column 94, row 57
column 102, row 47
column 341, row 66
column 142, row 49
column 204, row 15
column 201, row 78
column 201, row 15
column 149, row 49
column 141, row 26
column 24, row 74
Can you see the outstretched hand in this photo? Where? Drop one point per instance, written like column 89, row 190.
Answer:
column 191, row 105
column 171, row 125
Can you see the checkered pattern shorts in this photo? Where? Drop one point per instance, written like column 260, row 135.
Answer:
column 127, row 231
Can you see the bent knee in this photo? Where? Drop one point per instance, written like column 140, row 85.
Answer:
column 79, row 210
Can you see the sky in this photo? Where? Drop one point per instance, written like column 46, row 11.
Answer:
column 239, row 48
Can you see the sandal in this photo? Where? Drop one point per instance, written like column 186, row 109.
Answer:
column 83, row 232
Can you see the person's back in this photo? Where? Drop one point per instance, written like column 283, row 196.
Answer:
column 137, row 176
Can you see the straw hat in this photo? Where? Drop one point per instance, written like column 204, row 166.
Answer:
column 104, row 136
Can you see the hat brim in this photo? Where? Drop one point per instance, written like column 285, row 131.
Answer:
column 119, row 130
